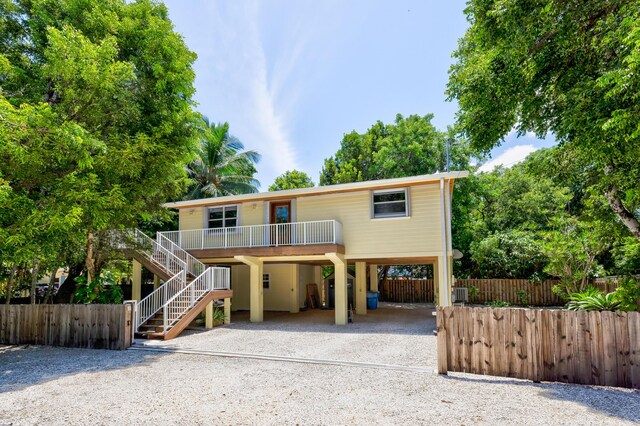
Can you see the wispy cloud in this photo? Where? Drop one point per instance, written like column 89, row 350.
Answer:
column 508, row 158
column 248, row 85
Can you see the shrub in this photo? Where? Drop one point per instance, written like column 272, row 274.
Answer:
column 628, row 294
column 523, row 297
column 103, row 290
column 473, row 292
column 498, row 304
column 585, row 301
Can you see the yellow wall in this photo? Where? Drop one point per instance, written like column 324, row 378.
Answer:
column 305, row 277
column 191, row 218
column 252, row 213
column 276, row 297
column 364, row 237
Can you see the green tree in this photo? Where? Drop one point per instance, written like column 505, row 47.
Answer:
column 570, row 68
column 573, row 248
column 291, row 179
column 109, row 143
column 410, row 146
column 222, row 167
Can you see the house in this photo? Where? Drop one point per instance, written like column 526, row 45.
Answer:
column 275, row 243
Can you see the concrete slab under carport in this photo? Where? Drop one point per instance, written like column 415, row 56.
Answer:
column 398, row 334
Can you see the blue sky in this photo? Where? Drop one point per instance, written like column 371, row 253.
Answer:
column 291, row 77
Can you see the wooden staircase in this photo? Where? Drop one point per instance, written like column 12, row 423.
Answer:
column 189, row 286
column 153, row 328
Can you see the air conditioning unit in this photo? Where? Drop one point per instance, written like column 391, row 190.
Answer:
column 460, row 295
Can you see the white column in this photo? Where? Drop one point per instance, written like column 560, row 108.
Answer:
column 256, row 293
column 317, row 278
column 136, row 281
column 208, row 321
column 294, row 294
column 373, row 277
column 340, row 287
column 444, row 296
column 360, row 296
column 227, row 310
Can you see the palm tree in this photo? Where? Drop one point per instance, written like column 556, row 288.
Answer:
column 222, row 167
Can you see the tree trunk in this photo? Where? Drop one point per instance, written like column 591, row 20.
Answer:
column 12, row 276
column 89, row 261
column 49, row 296
column 34, row 281
column 382, row 275
column 627, row 217
column 68, row 288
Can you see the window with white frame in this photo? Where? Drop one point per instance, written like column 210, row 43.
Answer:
column 265, row 280
column 223, row 217
column 390, row 203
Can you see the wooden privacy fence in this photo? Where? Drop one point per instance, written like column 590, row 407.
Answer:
column 592, row 348
column 77, row 326
column 407, row 290
column 513, row 291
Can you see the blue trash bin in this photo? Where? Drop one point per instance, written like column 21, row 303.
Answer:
column 372, row 300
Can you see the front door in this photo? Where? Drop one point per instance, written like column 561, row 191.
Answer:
column 281, row 218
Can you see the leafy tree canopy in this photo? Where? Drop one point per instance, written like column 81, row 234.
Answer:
column 570, row 68
column 291, row 179
column 221, row 167
column 96, row 122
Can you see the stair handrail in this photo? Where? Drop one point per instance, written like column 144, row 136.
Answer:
column 209, row 284
column 135, row 239
column 193, row 265
column 151, row 304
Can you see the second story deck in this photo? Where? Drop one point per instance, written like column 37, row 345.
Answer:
column 314, row 237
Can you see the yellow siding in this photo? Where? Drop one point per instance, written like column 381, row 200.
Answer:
column 276, row 297
column 417, row 235
column 191, row 218
column 364, row 237
column 252, row 213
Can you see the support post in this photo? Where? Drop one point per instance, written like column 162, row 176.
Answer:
column 208, row 321
column 373, row 277
column 294, row 298
column 136, row 281
column 340, row 264
column 441, row 271
column 156, row 281
column 317, row 278
column 444, row 278
column 360, row 297
column 227, row 310
column 256, row 293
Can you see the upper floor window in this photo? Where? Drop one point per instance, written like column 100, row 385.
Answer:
column 223, row 217
column 390, row 203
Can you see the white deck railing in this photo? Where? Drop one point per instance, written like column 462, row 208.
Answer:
column 272, row 235
column 147, row 307
column 193, row 265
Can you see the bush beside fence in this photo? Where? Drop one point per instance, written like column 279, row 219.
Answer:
column 593, row 348
column 77, row 326
column 513, row 291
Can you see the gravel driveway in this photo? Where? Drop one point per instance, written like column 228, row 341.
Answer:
column 43, row 385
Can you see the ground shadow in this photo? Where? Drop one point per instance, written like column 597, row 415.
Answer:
column 620, row 403
column 403, row 319
column 29, row 365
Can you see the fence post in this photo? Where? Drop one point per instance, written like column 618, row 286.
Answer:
column 130, row 323
column 442, row 340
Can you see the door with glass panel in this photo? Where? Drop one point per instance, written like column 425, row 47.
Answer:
column 281, row 219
